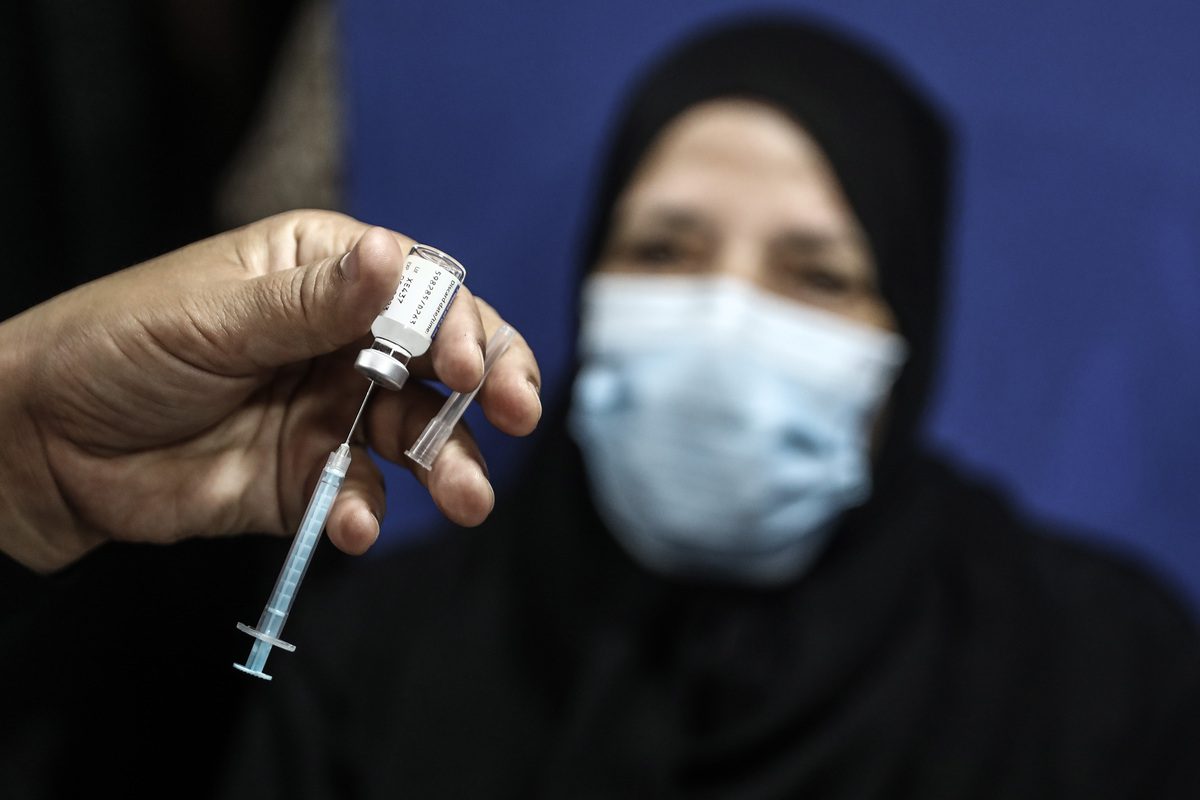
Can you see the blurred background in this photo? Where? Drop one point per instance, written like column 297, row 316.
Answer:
column 132, row 127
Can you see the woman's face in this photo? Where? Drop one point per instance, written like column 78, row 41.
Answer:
column 736, row 188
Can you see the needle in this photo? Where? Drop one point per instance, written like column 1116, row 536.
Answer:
column 361, row 408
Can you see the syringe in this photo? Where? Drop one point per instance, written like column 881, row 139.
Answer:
column 270, row 623
column 424, row 452
column 403, row 330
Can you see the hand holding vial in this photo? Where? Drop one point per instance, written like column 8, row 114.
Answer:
column 200, row 393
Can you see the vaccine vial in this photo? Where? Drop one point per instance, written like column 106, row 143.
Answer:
column 409, row 322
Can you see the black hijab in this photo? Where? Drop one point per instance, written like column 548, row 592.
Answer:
column 886, row 143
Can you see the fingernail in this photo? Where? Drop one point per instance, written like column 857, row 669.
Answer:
column 537, row 392
column 348, row 266
column 487, row 484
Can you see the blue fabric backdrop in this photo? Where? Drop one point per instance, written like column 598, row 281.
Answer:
column 1070, row 373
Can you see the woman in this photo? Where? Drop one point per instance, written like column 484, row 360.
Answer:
column 738, row 576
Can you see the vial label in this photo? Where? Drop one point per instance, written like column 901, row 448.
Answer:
column 416, row 309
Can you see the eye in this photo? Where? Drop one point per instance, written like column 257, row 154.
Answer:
column 659, row 253
column 820, row 279
column 656, row 251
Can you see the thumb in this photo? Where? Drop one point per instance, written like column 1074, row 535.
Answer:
column 295, row 314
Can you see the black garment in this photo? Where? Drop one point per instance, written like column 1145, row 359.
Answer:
column 944, row 652
column 938, row 648
column 119, row 120
column 116, row 675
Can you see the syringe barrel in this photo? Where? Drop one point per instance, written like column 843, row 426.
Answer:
column 288, row 583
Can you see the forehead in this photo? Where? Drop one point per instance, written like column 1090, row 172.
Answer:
column 744, row 162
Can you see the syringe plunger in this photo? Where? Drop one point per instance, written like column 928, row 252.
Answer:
column 270, row 623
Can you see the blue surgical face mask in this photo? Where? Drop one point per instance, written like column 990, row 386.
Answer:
column 724, row 429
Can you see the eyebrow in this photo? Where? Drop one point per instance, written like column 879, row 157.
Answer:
column 808, row 242
column 674, row 219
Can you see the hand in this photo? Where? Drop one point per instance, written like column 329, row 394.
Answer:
column 198, row 394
